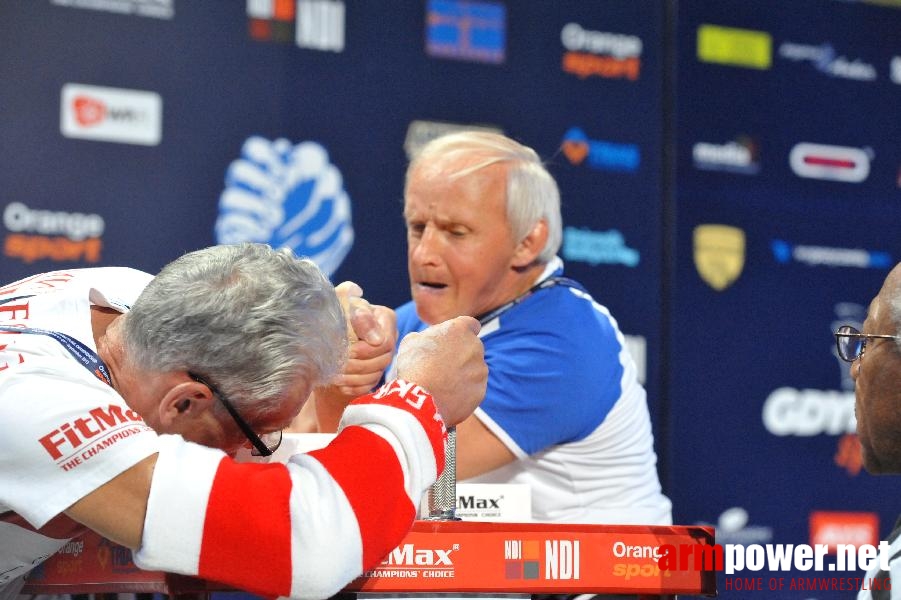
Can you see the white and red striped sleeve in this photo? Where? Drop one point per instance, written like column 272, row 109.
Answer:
column 303, row 529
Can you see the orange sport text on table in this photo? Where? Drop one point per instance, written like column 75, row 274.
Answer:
column 441, row 556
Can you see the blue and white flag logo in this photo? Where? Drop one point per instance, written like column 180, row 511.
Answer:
column 287, row 196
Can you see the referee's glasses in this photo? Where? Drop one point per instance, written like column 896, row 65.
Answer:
column 851, row 343
column 263, row 444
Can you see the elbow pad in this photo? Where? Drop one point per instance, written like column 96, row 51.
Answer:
column 307, row 528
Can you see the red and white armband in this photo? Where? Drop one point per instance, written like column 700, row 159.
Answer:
column 302, row 529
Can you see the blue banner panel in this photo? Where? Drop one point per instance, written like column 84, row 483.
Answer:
column 786, row 199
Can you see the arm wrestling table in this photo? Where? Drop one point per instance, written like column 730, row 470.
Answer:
column 438, row 556
column 442, row 554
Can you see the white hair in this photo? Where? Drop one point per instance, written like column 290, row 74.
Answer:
column 532, row 194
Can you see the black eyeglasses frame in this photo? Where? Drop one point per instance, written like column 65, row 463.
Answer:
column 260, row 447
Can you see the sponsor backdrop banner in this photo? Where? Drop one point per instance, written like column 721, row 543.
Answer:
column 729, row 173
column 787, row 202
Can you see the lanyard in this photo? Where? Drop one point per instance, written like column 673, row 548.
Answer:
column 544, row 284
column 5, row 300
column 87, row 357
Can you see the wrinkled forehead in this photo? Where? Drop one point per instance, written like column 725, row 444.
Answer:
column 458, row 164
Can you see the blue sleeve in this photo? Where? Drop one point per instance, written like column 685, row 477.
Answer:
column 554, row 369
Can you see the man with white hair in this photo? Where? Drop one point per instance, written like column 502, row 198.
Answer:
column 564, row 412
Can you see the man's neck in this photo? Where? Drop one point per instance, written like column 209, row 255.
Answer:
column 524, row 279
column 528, row 277
column 101, row 318
column 105, row 325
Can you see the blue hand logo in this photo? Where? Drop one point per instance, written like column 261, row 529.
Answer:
column 287, row 196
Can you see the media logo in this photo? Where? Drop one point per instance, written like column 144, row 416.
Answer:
column 600, row 154
column 733, row 526
column 562, row 560
column 312, row 24
column 72, row 548
column 491, row 502
column 157, row 9
column 320, row 25
column 522, row 559
column 729, row 46
column 288, row 196
column 895, row 70
column 719, row 254
column 271, row 20
column 409, row 561
column 804, row 413
column 851, row 528
column 466, row 30
column 600, row 53
column 785, row 252
column 59, row 236
column 107, row 114
column 115, row 558
column 738, row 156
column 419, row 133
column 830, row 163
column 825, row 60
column 598, row 247
column 641, row 561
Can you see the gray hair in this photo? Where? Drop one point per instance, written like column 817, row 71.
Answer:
column 250, row 318
column 532, row 193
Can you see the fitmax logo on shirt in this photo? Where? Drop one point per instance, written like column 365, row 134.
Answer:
column 100, row 425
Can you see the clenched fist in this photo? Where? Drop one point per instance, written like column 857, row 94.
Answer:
column 447, row 360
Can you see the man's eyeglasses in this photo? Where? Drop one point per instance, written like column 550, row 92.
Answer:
column 851, row 343
column 263, row 445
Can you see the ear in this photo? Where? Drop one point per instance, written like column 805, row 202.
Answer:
column 531, row 245
column 186, row 399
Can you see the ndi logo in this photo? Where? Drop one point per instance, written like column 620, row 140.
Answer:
column 288, row 196
column 313, row 24
column 521, row 559
column 561, row 559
